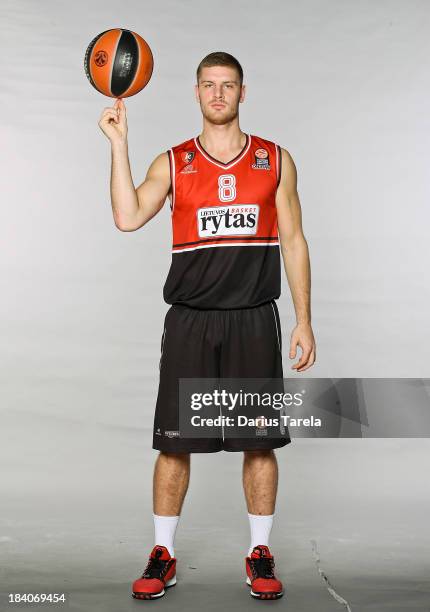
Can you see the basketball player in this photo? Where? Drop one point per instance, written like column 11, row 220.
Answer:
column 234, row 209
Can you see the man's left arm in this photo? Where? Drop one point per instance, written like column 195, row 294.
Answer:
column 295, row 254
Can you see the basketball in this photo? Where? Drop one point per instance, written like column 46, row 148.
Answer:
column 118, row 63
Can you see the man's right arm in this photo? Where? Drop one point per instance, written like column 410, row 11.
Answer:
column 132, row 207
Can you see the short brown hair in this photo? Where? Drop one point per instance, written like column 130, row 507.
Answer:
column 220, row 58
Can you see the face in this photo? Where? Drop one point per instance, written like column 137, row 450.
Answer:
column 219, row 93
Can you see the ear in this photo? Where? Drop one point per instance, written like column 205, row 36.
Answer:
column 242, row 93
column 196, row 92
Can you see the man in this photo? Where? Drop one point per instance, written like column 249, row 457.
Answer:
column 234, row 206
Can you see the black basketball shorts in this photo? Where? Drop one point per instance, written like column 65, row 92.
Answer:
column 237, row 343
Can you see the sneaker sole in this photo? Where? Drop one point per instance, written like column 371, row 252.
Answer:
column 168, row 584
column 266, row 595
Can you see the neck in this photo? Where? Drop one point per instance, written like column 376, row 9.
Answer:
column 222, row 138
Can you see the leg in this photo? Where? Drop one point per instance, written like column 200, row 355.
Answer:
column 260, row 481
column 252, row 349
column 187, row 350
column 260, row 484
column 171, row 478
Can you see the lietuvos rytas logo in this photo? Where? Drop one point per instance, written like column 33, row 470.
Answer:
column 232, row 220
column 188, row 157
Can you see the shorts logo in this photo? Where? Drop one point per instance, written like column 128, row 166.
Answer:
column 234, row 220
column 188, row 156
column 171, row 434
column 261, row 160
column 261, row 429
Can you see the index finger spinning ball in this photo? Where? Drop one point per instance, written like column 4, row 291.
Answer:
column 118, row 63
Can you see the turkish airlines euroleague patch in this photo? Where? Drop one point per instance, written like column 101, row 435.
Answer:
column 261, row 160
column 228, row 220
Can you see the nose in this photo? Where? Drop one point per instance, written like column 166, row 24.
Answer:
column 218, row 93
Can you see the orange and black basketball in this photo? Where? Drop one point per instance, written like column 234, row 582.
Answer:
column 118, row 63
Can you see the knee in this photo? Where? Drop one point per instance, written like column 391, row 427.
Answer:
column 259, row 455
column 174, row 456
column 178, row 460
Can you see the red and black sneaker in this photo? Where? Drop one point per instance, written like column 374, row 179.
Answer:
column 159, row 574
column 260, row 575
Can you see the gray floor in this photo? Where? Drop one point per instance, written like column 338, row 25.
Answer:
column 79, row 521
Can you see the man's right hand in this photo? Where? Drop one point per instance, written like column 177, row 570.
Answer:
column 113, row 122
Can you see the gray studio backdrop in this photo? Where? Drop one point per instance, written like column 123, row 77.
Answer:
column 344, row 87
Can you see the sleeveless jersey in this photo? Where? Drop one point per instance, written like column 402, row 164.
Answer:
column 225, row 250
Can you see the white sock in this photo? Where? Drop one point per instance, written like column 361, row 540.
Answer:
column 165, row 529
column 260, row 526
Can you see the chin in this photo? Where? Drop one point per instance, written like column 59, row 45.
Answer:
column 217, row 119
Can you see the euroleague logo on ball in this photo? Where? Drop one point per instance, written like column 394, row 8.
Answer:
column 101, row 58
column 261, row 160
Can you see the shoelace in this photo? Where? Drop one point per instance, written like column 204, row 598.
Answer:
column 154, row 569
column 263, row 567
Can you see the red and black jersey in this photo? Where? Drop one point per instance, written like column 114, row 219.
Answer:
column 225, row 250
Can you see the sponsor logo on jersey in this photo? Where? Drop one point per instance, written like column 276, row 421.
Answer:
column 234, row 220
column 188, row 169
column 261, row 160
column 188, row 156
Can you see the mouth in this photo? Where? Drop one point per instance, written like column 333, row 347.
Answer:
column 218, row 105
